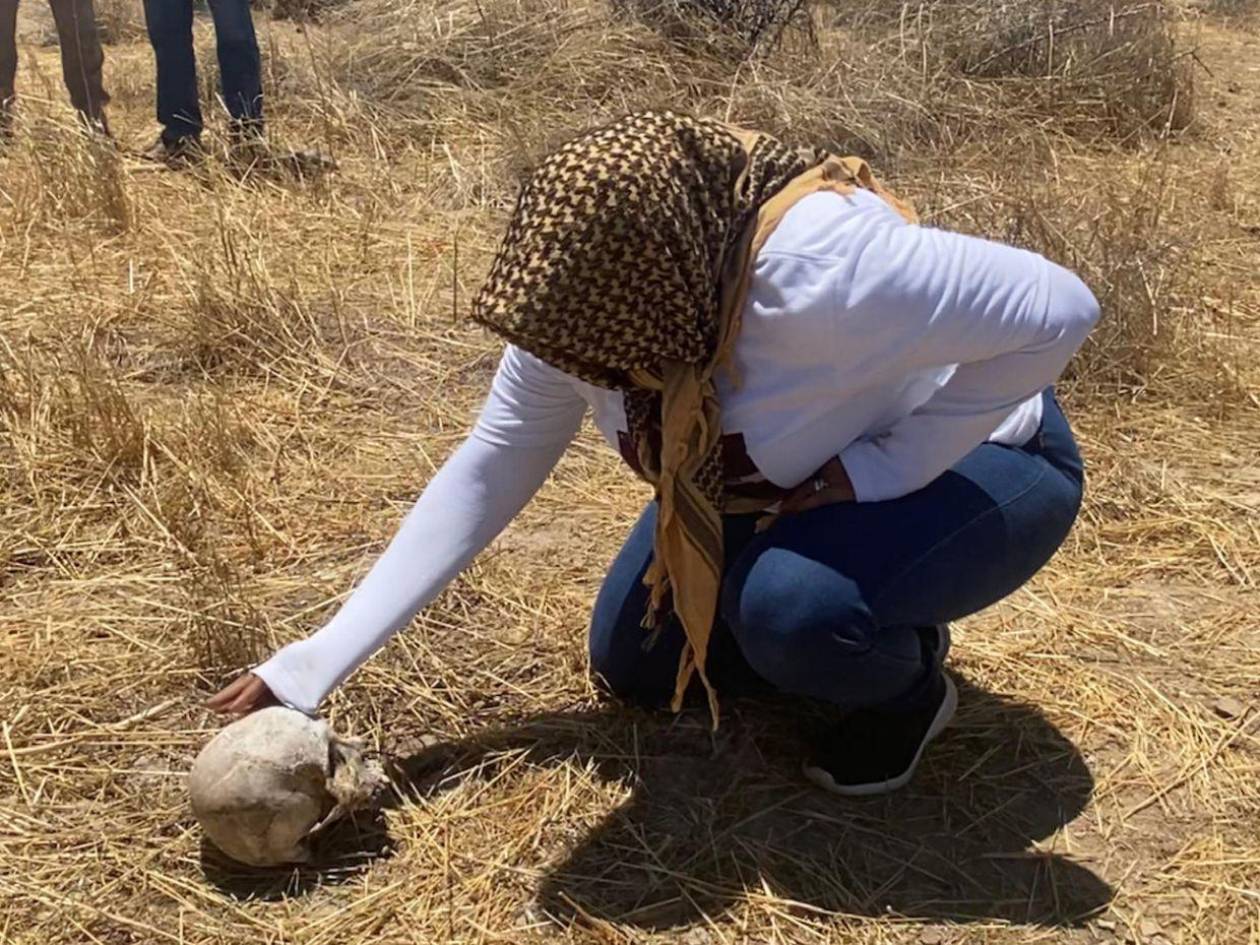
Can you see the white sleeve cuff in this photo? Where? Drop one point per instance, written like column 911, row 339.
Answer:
column 286, row 684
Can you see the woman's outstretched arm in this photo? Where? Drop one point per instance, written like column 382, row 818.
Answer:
column 531, row 415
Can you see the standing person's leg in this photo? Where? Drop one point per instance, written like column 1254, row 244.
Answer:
column 82, row 59
column 831, row 603
column 240, row 66
column 170, row 26
column 8, row 60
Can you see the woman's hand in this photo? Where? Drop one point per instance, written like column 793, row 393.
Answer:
column 826, row 487
column 243, row 696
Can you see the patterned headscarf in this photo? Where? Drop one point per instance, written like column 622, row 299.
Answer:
column 625, row 264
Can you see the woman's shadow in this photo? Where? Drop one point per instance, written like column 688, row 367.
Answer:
column 711, row 820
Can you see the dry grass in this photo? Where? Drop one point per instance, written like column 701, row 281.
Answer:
column 1098, row 70
column 120, row 21
column 735, row 28
column 218, row 395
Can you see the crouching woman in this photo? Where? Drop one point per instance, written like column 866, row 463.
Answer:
column 847, row 419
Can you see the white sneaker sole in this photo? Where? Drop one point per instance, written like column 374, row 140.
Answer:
column 819, row 776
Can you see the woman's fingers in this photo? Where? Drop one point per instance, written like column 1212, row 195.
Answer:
column 792, row 503
column 224, row 697
column 836, row 487
column 242, row 696
column 800, row 501
column 255, row 696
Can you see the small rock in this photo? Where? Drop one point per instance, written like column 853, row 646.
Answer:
column 931, row 936
column 1107, row 925
column 1227, row 707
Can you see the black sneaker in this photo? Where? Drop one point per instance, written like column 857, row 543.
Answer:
column 177, row 154
column 873, row 751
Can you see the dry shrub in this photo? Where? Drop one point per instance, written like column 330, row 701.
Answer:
column 176, row 476
column 240, row 316
column 203, row 486
column 739, row 28
column 225, row 629
column 86, row 473
column 67, row 422
column 417, row 52
column 1094, row 69
column 64, row 175
column 203, row 500
column 489, row 84
column 835, row 93
column 251, row 331
column 1136, row 261
column 103, row 423
column 501, row 75
column 74, row 446
column 75, row 435
column 17, row 401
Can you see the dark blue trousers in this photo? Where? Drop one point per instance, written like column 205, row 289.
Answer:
column 829, row 603
column 170, row 24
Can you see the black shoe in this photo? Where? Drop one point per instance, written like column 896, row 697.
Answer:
column 176, row 153
column 873, row 751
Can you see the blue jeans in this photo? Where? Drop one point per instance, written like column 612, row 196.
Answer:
column 829, row 603
column 170, row 24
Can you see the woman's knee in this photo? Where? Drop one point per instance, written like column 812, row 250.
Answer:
column 628, row 663
column 624, row 659
column 612, row 650
column 788, row 612
column 807, row 630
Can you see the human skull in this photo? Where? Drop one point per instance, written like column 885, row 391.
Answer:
column 267, row 782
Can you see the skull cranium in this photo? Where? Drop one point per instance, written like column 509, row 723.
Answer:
column 267, row 782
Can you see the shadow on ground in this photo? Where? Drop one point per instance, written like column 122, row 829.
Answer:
column 708, row 821
column 345, row 850
column 713, row 819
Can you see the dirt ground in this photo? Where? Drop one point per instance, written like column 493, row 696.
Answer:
column 221, row 394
